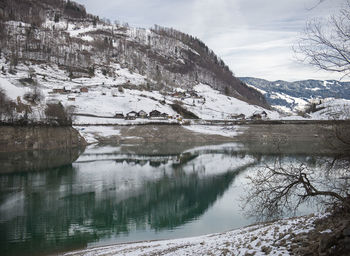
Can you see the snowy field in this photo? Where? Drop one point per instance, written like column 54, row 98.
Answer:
column 274, row 238
column 104, row 97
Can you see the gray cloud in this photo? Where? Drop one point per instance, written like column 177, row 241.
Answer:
column 254, row 37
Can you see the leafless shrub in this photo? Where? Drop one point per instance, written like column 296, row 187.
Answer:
column 35, row 96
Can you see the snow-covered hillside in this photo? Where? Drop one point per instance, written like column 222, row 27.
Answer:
column 106, row 96
column 293, row 97
column 84, row 46
column 332, row 109
column 126, row 91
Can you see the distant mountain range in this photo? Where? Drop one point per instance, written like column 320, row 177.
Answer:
column 293, row 96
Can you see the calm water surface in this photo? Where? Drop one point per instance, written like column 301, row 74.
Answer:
column 119, row 194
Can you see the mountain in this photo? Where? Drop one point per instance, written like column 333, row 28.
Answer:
column 294, row 96
column 62, row 33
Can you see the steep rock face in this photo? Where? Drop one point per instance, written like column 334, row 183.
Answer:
column 63, row 33
column 16, row 139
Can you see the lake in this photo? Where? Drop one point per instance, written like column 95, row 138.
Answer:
column 115, row 194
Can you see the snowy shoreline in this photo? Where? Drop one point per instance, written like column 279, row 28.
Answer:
column 270, row 238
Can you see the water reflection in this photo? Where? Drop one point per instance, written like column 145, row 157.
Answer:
column 107, row 192
column 127, row 193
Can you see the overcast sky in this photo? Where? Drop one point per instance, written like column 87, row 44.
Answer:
column 254, row 37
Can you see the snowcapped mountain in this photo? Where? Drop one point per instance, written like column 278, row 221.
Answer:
column 295, row 96
column 82, row 49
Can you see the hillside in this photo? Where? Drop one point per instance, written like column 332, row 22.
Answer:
column 79, row 50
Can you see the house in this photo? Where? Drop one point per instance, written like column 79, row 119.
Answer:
column 259, row 115
column 164, row 115
column 256, row 117
column 84, row 89
column 263, row 114
column 67, row 89
column 238, row 117
column 119, row 115
column 131, row 115
column 71, row 98
column 142, row 114
column 58, row 90
column 179, row 94
column 154, row 113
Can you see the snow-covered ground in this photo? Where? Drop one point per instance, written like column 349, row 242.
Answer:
column 261, row 239
column 228, row 131
column 333, row 109
column 124, row 92
column 105, row 98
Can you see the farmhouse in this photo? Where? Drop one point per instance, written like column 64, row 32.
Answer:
column 62, row 90
column 142, row 114
column 131, row 115
column 256, row 117
column 84, row 89
column 58, row 90
column 67, row 89
column 119, row 115
column 238, row 117
column 164, row 115
column 154, row 113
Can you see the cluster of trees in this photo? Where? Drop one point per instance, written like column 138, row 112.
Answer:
column 18, row 113
column 34, row 11
column 7, row 107
column 57, row 114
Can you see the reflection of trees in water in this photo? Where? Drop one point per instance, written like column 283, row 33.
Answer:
column 49, row 222
column 281, row 186
column 169, row 202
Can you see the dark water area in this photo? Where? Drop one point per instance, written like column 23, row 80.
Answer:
column 129, row 193
column 37, row 160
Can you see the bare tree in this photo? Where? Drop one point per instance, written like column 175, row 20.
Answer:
column 325, row 44
column 7, row 108
column 35, row 96
column 281, row 188
column 57, row 114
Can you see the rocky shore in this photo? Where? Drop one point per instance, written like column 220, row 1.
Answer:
column 33, row 148
column 22, row 138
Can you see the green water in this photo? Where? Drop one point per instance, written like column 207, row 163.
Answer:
column 119, row 194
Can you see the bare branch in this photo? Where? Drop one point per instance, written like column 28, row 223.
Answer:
column 325, row 43
column 280, row 188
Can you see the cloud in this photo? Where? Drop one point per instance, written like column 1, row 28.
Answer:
column 253, row 37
